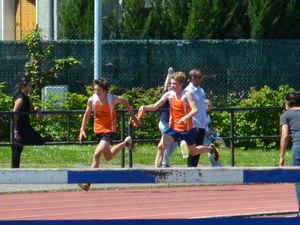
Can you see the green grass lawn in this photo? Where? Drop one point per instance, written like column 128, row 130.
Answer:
column 76, row 156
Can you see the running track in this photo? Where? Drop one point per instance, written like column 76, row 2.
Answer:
column 150, row 203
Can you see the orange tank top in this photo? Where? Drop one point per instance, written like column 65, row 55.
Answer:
column 178, row 109
column 104, row 115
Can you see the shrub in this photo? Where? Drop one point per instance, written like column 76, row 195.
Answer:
column 5, row 105
column 247, row 123
column 253, row 122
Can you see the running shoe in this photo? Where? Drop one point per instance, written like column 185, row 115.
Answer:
column 215, row 152
column 130, row 144
column 85, row 186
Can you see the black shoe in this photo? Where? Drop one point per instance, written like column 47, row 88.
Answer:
column 85, row 186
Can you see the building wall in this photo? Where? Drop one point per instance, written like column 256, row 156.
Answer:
column 44, row 19
column 25, row 18
column 47, row 18
column 7, row 19
column 1, row 24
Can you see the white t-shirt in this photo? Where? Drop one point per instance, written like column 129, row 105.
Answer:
column 199, row 98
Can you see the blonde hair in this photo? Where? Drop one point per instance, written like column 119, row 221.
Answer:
column 180, row 77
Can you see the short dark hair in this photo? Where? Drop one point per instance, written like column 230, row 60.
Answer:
column 293, row 98
column 297, row 98
column 194, row 72
column 103, row 83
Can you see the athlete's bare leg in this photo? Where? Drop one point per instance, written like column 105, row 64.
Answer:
column 163, row 144
column 102, row 147
column 196, row 150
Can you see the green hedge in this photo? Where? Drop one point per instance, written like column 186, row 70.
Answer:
column 247, row 123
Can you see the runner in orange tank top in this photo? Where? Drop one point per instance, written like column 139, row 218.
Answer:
column 102, row 104
column 182, row 110
column 176, row 112
column 105, row 118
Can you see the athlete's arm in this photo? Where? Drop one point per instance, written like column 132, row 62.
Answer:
column 85, row 119
column 17, row 106
column 168, row 78
column 283, row 142
column 125, row 103
column 193, row 106
column 156, row 105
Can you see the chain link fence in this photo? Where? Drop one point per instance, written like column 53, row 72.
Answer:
column 228, row 65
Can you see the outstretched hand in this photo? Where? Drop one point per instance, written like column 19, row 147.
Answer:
column 183, row 120
column 82, row 135
column 135, row 120
column 141, row 113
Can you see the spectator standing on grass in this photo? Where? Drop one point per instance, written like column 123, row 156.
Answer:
column 209, row 133
column 182, row 110
column 102, row 105
column 199, row 118
column 290, row 123
column 24, row 134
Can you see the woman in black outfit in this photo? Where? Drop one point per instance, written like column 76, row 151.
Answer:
column 24, row 134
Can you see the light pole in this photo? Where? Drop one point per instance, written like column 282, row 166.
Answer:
column 97, row 39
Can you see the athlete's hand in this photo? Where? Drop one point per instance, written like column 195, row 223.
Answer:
column 183, row 120
column 135, row 120
column 82, row 135
column 171, row 70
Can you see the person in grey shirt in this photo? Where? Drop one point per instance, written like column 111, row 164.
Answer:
column 290, row 122
column 199, row 119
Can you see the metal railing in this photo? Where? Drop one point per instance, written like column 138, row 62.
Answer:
column 124, row 118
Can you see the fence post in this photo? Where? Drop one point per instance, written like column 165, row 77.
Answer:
column 232, row 136
column 68, row 126
column 122, row 138
column 129, row 152
column 148, row 62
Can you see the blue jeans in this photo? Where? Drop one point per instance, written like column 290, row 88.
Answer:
column 207, row 140
column 163, row 127
column 296, row 162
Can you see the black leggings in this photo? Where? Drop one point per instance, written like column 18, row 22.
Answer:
column 192, row 161
column 28, row 137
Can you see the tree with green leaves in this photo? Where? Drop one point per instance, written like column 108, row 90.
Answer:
column 235, row 20
column 40, row 68
column 76, row 19
column 217, row 19
column 179, row 13
column 258, row 11
column 274, row 19
column 204, row 20
column 158, row 23
column 134, row 19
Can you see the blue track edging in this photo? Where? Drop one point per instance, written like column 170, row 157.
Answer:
column 130, row 176
column 210, row 221
column 272, row 176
